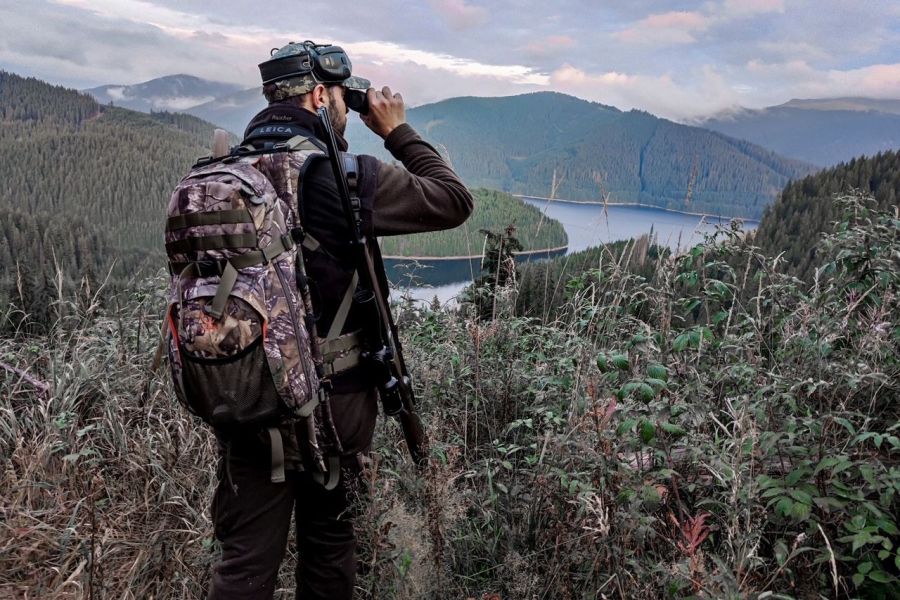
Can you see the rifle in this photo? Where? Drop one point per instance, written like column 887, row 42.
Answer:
column 384, row 354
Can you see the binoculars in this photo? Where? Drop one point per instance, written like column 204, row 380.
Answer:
column 356, row 100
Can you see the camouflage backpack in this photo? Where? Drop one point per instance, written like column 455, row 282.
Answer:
column 239, row 345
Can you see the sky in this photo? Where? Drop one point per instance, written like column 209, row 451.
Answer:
column 677, row 59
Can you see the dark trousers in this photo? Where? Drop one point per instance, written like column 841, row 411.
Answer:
column 252, row 525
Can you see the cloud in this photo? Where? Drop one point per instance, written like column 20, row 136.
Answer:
column 179, row 102
column 793, row 50
column 460, row 15
column 749, row 8
column 677, row 27
column 704, row 92
column 682, row 26
column 799, row 79
column 116, row 93
column 673, row 57
column 676, row 20
column 549, row 46
column 135, row 40
column 380, row 53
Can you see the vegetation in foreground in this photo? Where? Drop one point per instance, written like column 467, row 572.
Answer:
column 704, row 430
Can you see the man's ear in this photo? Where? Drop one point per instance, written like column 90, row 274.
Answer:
column 319, row 96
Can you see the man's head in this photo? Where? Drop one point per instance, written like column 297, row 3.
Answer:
column 312, row 75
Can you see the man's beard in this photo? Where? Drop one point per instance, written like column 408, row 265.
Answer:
column 338, row 119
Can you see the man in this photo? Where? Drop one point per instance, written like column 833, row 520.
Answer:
column 251, row 513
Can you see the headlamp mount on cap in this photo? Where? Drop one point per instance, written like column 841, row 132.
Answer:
column 322, row 63
column 326, row 63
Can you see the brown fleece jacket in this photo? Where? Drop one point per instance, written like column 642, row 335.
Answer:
column 425, row 196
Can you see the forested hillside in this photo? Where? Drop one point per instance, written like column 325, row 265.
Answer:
column 806, row 209
column 493, row 211
column 82, row 187
column 518, row 143
column 83, row 191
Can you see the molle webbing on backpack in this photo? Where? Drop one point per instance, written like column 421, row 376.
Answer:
column 212, row 242
column 199, row 219
column 228, row 268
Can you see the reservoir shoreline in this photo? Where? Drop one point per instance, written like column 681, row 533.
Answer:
column 474, row 256
column 634, row 204
column 400, row 257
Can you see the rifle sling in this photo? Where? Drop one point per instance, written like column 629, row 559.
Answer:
column 340, row 317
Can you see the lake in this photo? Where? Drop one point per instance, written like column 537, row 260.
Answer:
column 586, row 225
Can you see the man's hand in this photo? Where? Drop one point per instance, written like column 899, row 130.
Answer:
column 386, row 111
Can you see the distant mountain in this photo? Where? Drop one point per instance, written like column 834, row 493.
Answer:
column 520, row 144
column 232, row 111
column 171, row 93
column 851, row 104
column 822, row 131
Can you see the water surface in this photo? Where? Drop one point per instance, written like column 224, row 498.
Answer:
column 587, row 225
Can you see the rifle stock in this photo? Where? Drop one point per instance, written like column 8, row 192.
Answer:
column 395, row 389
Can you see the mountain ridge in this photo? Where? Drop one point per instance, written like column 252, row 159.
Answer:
column 595, row 151
column 823, row 132
column 170, row 92
column 591, row 150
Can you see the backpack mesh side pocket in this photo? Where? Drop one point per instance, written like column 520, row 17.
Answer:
column 232, row 391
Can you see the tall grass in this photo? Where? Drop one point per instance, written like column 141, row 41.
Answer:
column 711, row 428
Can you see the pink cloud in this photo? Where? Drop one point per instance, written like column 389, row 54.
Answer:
column 797, row 79
column 550, row 45
column 460, row 15
column 675, row 20
column 676, row 27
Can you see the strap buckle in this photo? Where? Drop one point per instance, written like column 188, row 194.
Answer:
column 210, row 268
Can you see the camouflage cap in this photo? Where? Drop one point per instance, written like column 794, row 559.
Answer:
column 294, row 83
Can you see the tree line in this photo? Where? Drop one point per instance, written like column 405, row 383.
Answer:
column 794, row 224
column 83, row 191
